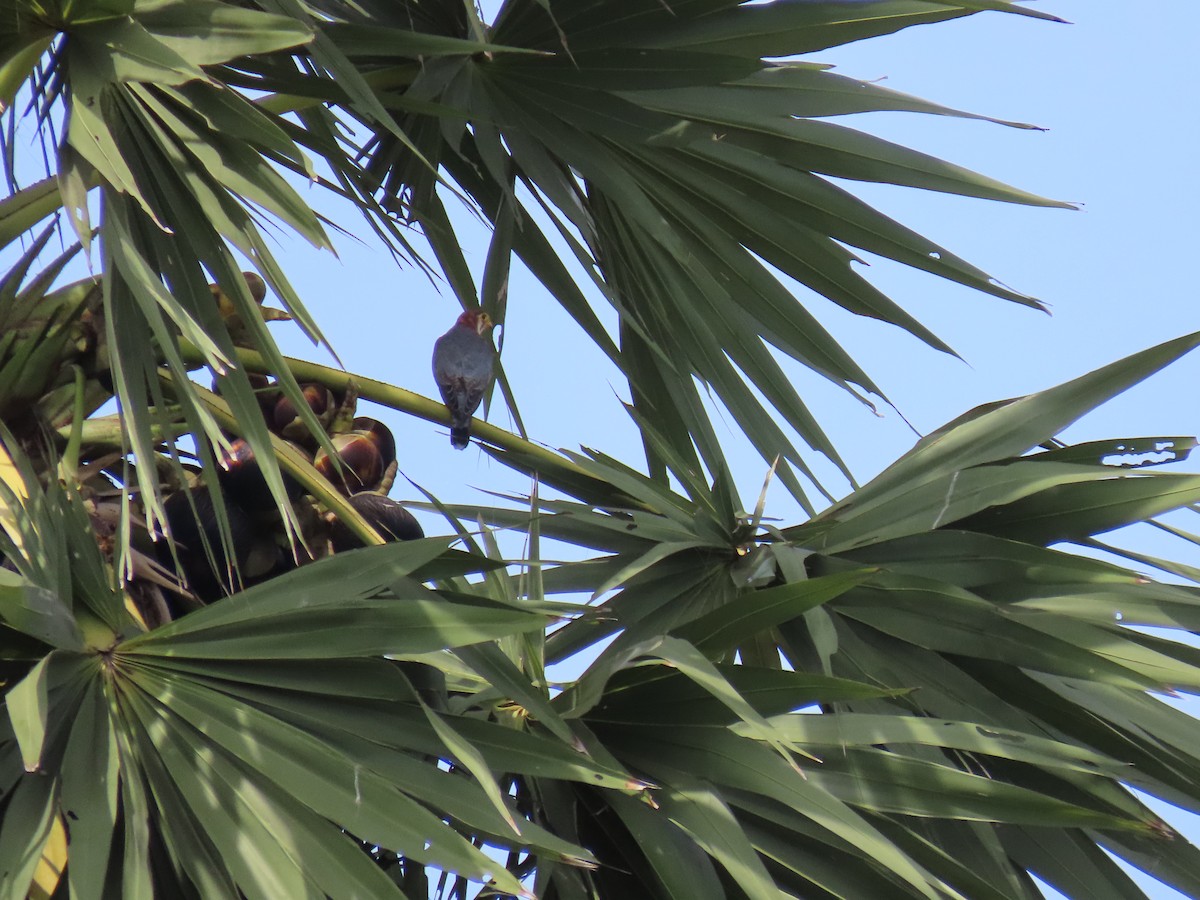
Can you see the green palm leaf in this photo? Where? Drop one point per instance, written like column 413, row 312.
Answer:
column 675, row 202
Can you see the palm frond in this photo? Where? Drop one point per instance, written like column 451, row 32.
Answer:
column 685, row 174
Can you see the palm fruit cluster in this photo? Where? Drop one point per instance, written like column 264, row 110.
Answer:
column 223, row 527
column 362, row 468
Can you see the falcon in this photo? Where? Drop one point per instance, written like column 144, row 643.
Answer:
column 463, row 361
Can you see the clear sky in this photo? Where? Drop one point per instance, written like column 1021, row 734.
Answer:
column 1115, row 90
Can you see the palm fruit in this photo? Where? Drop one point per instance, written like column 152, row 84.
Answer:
column 389, row 518
column 255, row 554
column 379, row 434
column 463, row 364
column 258, row 287
column 242, row 480
column 286, row 422
column 238, row 330
column 267, row 393
column 367, row 457
column 359, row 465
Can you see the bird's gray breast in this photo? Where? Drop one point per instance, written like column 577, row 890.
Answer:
column 464, row 355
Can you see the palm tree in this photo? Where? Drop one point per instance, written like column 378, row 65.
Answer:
column 212, row 688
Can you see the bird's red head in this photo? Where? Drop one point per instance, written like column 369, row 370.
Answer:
column 477, row 321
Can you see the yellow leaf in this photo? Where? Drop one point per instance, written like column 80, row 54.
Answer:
column 50, row 868
column 12, row 479
column 9, row 474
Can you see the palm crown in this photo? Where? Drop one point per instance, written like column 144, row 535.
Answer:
column 325, row 719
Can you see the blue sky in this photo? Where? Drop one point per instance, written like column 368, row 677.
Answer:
column 1114, row 91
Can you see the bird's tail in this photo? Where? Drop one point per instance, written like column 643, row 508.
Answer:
column 459, row 438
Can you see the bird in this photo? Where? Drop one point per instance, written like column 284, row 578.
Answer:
column 463, row 363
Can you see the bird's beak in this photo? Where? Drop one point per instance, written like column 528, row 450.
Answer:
column 483, row 322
